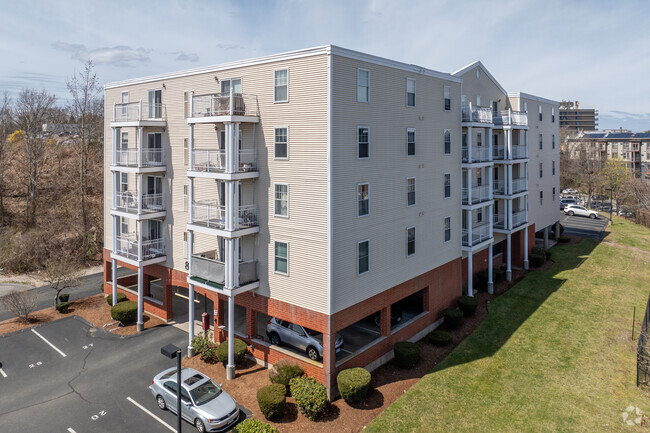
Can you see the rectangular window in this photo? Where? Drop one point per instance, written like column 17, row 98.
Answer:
column 363, row 202
column 124, row 226
column 281, row 143
column 447, row 229
column 363, row 257
column 410, row 141
column 553, row 141
column 281, row 85
column 541, row 143
column 125, row 101
column 447, row 185
column 553, row 193
column 186, row 152
column 281, row 262
column 553, row 168
column 552, row 114
column 526, row 107
column 124, row 182
column 541, row 198
column 447, row 98
column 479, row 215
column 363, row 85
column 541, row 169
column 540, row 113
column 464, row 139
column 281, row 207
column 155, row 104
column 478, row 101
column 410, row 241
column 186, row 198
column 125, row 140
column 410, row 92
column 447, row 141
column 363, row 142
column 410, row 191
column 479, row 139
column 185, row 246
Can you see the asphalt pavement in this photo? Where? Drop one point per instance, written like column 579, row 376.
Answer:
column 584, row 227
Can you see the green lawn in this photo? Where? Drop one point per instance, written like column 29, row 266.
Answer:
column 554, row 354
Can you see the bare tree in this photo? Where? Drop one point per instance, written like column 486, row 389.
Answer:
column 61, row 272
column 615, row 175
column 20, row 303
column 32, row 110
column 5, row 122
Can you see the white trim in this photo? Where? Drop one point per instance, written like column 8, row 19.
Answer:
column 475, row 64
column 330, row 183
column 359, row 242
column 275, row 214
column 286, row 158
column 415, row 140
column 407, row 241
column 415, row 100
column 532, row 97
column 443, row 229
column 368, row 71
column 444, row 197
column 444, row 131
column 274, row 86
column 274, row 257
column 357, row 196
column 358, row 128
column 414, row 192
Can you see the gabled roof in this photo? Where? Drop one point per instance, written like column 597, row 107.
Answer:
column 474, row 65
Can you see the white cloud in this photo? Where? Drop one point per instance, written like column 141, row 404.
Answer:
column 118, row 56
column 188, row 57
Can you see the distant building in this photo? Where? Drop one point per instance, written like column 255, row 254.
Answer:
column 578, row 119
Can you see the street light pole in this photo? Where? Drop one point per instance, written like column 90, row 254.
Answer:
column 171, row 351
column 611, row 205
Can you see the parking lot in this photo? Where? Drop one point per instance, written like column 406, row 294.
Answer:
column 583, row 226
column 67, row 376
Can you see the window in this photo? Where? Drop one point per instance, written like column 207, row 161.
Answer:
column 410, row 241
column 235, row 83
column 478, row 100
column 410, row 191
column 479, row 139
column 447, row 98
column 541, row 169
column 124, row 182
column 363, row 85
column 495, row 108
column 497, row 248
column 281, row 207
column 186, row 198
column 553, row 141
column 553, row 168
column 125, row 101
column 363, row 202
column 281, row 86
column 185, row 246
column 281, row 143
column 541, row 198
column 186, row 152
column 464, row 144
column 526, row 107
column 447, row 141
column 363, row 257
column 410, row 92
column 553, row 193
column 363, row 143
column 155, row 104
column 447, row 229
column 495, row 140
column 552, row 114
column 124, row 226
column 281, row 262
column 541, row 143
column 125, row 140
column 540, row 113
column 410, row 141
column 447, row 185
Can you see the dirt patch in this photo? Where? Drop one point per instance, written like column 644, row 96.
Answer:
column 94, row 309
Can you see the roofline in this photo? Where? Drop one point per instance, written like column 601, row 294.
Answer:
column 533, row 97
column 320, row 50
column 473, row 65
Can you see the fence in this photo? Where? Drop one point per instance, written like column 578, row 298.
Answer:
column 643, row 351
column 643, row 217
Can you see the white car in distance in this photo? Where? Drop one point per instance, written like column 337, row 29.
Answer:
column 574, row 209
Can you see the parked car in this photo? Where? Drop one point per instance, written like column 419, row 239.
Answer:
column 569, row 191
column 310, row 341
column 581, row 211
column 203, row 403
column 566, row 201
column 395, row 317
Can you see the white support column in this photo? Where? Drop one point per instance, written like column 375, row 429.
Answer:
column 230, row 367
column 236, row 198
column 191, row 146
column 524, row 233
column 139, row 193
column 490, row 181
column 235, row 153
column 509, row 257
column 470, row 274
column 469, row 142
column 191, row 198
column 508, row 150
column 190, row 253
column 114, row 279
column 546, row 238
column 469, row 186
column 470, row 240
column 140, row 322
column 490, row 284
column 116, row 143
column 490, row 144
column 526, row 142
column 140, row 145
column 557, row 231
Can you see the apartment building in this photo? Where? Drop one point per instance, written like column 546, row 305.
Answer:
column 575, row 119
column 346, row 193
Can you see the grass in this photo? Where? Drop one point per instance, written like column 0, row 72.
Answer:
column 554, row 354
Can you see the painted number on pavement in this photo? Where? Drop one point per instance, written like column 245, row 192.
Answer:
column 88, row 346
column 36, row 364
column 96, row 416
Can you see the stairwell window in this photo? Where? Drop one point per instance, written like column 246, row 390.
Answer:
column 410, row 141
column 447, row 96
column 410, row 241
column 281, row 260
column 363, row 257
column 541, row 198
column 410, row 92
column 363, row 85
column 553, row 141
column 479, row 139
column 552, row 114
column 540, row 113
column 447, row 229
column 186, row 152
column 363, row 201
column 410, row 191
column 281, row 201
column 553, row 193
column 541, row 142
column 363, row 142
column 281, row 85
column 541, row 170
column 447, row 185
column 553, row 168
column 447, row 142
column 185, row 246
column 124, row 182
column 125, row 140
column 281, row 143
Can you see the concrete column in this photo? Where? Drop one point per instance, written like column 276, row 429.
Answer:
column 509, row 257
column 470, row 274
column 139, row 192
column 114, row 277
column 525, row 234
column 230, row 367
column 140, row 322
column 190, row 321
column 546, row 238
column 140, row 146
column 490, row 284
column 557, row 231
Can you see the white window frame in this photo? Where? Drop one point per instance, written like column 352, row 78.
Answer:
column 368, row 257
column 122, row 135
column 444, row 142
column 444, row 180
column 275, row 199
column 359, row 199
column 408, row 130
column 281, row 158
column 408, row 192
column 275, row 257
column 186, row 198
column 540, row 112
column 124, row 185
column 124, row 226
column 526, row 106
column 186, row 152
column 479, row 139
column 407, row 241
column 444, row 230
column 414, row 92
column 367, row 87
column 186, row 245
column 125, row 108
column 446, row 96
column 359, row 127
column 552, row 114
column 275, row 99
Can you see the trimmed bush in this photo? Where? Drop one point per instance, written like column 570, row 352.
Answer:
column 547, row 254
column 125, row 312
column 564, row 239
column 537, row 260
column 467, row 305
column 537, row 250
column 62, row 307
column 482, row 278
column 310, row 395
column 498, row 274
column 453, row 318
column 439, row 338
column 121, row 297
column 407, row 354
column 252, row 425
column 202, row 341
column 65, row 297
column 272, row 400
column 240, row 351
column 353, row 384
column 283, row 371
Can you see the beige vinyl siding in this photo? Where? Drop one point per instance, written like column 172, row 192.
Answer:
column 485, row 87
column 306, row 171
column 386, row 171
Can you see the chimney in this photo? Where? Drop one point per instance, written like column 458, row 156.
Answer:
column 577, row 104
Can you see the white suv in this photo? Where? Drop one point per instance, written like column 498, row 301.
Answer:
column 575, row 209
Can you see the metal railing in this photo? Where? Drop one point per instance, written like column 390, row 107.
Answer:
column 248, row 216
column 519, row 185
column 519, row 152
column 127, row 246
column 209, row 213
column 206, row 267
column 471, row 113
column 128, row 201
column 509, row 117
column 214, row 161
column 224, row 104
column 498, row 152
column 479, row 194
column 498, row 221
column 479, row 234
column 479, row 154
column 153, row 202
column 135, row 111
column 519, row 218
column 153, row 248
column 499, row 187
column 129, row 157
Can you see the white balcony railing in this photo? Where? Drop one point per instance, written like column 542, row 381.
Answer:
column 479, row 234
column 137, row 111
column 126, row 201
column 153, row 202
column 509, row 117
column 519, row 218
column 479, row 154
column 213, row 215
column 479, row 194
column 499, row 187
column 129, row 157
column 498, row 152
column 519, row 152
column 224, row 104
column 127, row 246
column 153, row 248
column 498, row 221
column 214, row 161
column 471, row 113
column 519, row 185
column 207, row 267
column 248, row 216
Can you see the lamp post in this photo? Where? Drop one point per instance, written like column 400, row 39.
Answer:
column 171, row 352
column 611, row 205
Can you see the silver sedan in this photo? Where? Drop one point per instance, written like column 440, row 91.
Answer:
column 284, row 332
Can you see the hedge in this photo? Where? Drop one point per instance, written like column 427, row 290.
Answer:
column 272, row 400
column 353, row 384
column 467, row 304
column 121, row 297
column 65, row 297
column 453, row 318
column 407, row 354
column 310, row 395
column 547, row 254
column 482, row 278
column 439, row 338
column 537, row 260
column 240, row 351
column 283, row 371
column 252, row 425
column 62, row 307
column 125, row 312
column 564, row 239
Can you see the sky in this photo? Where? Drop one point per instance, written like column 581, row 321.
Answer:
column 596, row 52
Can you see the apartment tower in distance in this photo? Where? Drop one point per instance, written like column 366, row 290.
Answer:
column 351, row 197
column 576, row 119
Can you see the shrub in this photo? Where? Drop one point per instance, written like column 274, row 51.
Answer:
column 482, row 278
column 240, row 351
column 439, row 338
column 283, row 371
column 564, row 239
column 407, row 354
column 467, row 305
column 64, row 297
column 62, row 307
column 453, row 318
column 202, row 341
column 209, row 354
column 125, row 312
column 537, row 260
column 561, row 228
column 537, row 250
column 353, row 384
column 252, row 425
column 547, row 254
column 20, row 303
column 272, row 400
column 310, row 395
column 121, row 297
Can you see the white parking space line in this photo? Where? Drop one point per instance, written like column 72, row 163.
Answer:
column 70, row 429
column 2, row 372
column 145, row 410
column 50, row 344
column 367, row 329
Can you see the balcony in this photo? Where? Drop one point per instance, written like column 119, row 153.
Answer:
column 511, row 118
column 479, row 194
column 499, row 187
column 519, row 152
column 498, row 152
column 478, row 154
column 134, row 112
column 474, row 114
column 519, row 218
column 519, row 185
column 498, row 221
column 127, row 201
column 211, row 214
column 214, row 161
column 205, row 108
column 127, row 246
column 148, row 158
column 206, row 268
column 480, row 234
